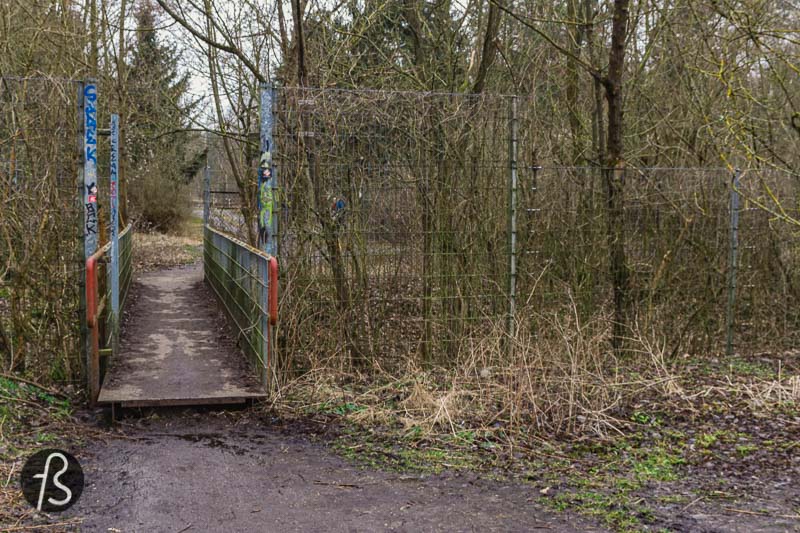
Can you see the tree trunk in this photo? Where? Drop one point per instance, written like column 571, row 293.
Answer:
column 241, row 184
column 614, row 172
column 573, row 80
column 489, row 47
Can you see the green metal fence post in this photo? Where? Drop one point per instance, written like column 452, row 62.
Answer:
column 734, row 248
column 512, row 220
column 113, row 179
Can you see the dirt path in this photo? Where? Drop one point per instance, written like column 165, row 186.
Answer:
column 189, row 471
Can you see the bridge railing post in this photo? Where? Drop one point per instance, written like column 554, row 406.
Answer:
column 267, row 219
column 206, row 192
column 113, row 196
column 89, row 190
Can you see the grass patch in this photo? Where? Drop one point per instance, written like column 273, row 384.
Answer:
column 616, row 511
column 746, row 449
column 378, row 454
column 152, row 251
column 658, row 464
column 746, row 368
column 343, row 409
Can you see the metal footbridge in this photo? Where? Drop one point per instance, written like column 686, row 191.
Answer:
column 174, row 347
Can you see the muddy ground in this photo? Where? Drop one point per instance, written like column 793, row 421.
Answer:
column 247, row 470
column 211, row 471
column 250, row 470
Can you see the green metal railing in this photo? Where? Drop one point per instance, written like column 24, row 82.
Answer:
column 245, row 281
column 102, row 325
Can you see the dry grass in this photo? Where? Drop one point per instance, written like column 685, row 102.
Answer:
column 760, row 395
column 183, row 246
column 561, row 381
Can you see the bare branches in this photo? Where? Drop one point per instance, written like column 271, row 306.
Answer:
column 205, row 38
column 591, row 69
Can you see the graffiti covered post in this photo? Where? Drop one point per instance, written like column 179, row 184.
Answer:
column 90, row 225
column 113, row 196
column 267, row 223
column 88, row 108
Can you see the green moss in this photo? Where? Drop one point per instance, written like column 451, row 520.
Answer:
column 743, row 367
column 46, row 437
column 641, row 417
column 707, row 440
column 746, row 449
column 657, row 464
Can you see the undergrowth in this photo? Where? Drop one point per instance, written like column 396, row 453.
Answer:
column 615, row 438
column 31, row 418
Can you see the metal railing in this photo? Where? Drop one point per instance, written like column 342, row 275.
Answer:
column 103, row 327
column 245, row 281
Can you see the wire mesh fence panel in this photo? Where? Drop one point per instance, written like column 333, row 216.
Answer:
column 393, row 226
column 768, row 277
column 677, row 236
column 395, row 235
column 225, row 205
column 41, row 225
column 237, row 274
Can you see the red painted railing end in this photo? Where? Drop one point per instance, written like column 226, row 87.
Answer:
column 273, row 291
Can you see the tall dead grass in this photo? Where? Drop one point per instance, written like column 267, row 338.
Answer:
column 557, row 377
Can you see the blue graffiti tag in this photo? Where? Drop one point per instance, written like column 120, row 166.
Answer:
column 90, row 95
column 90, row 168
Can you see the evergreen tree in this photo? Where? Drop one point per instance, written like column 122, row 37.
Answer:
column 157, row 140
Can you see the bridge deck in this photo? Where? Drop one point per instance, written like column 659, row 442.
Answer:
column 176, row 348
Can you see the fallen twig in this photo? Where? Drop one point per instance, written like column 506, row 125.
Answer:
column 762, row 513
column 335, row 484
column 21, row 400
column 73, row 522
column 33, row 383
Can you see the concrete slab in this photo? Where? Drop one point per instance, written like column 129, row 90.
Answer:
column 176, row 348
